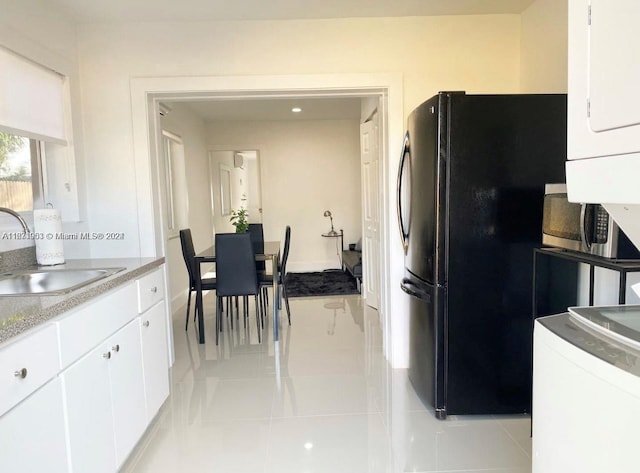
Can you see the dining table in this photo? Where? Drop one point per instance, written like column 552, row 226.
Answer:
column 270, row 251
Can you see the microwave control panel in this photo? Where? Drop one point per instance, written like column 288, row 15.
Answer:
column 602, row 225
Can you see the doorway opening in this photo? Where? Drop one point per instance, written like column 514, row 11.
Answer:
column 147, row 93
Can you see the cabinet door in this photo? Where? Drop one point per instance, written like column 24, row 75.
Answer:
column 127, row 389
column 604, row 78
column 155, row 358
column 89, row 416
column 32, row 435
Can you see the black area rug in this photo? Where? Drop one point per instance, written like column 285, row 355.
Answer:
column 324, row 283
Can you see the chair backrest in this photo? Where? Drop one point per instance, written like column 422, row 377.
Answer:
column 235, row 265
column 257, row 240
column 188, row 253
column 285, row 253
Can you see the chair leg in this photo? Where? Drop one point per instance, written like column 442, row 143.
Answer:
column 286, row 302
column 186, row 325
column 245, row 309
column 258, row 320
column 263, row 309
column 221, row 312
column 218, row 313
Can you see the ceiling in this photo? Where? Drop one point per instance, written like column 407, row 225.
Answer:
column 89, row 11
column 329, row 108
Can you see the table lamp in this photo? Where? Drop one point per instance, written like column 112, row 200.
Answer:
column 327, row 213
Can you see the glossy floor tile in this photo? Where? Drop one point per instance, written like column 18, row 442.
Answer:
column 323, row 399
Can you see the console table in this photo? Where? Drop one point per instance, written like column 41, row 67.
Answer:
column 339, row 234
column 623, row 267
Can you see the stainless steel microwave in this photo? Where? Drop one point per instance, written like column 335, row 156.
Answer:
column 586, row 228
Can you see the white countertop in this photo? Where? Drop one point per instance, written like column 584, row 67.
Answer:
column 21, row 313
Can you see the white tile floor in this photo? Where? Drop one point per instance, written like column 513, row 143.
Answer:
column 326, row 401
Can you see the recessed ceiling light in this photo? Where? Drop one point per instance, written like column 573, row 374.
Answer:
column 296, row 110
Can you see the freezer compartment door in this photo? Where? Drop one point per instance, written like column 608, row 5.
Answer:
column 426, row 343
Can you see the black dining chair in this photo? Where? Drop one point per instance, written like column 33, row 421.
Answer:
column 267, row 280
column 189, row 253
column 235, row 273
column 257, row 240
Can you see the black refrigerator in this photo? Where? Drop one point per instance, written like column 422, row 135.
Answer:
column 470, row 195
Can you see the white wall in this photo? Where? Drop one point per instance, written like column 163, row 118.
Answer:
column 543, row 47
column 182, row 122
column 307, row 167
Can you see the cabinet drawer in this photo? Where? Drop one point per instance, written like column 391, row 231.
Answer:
column 84, row 328
column 27, row 364
column 150, row 289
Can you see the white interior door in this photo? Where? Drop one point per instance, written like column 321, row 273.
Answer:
column 370, row 171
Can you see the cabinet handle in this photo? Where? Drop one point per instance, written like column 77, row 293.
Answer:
column 154, row 289
column 116, row 348
column 21, row 373
column 107, row 355
column 146, row 324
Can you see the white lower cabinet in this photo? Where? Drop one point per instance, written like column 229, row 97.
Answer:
column 155, row 358
column 32, row 434
column 77, row 394
column 104, row 401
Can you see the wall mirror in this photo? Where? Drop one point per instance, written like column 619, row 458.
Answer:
column 225, row 190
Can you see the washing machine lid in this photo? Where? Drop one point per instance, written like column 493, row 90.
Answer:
column 620, row 322
column 599, row 342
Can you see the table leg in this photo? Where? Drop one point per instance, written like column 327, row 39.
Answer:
column 198, row 278
column 622, row 289
column 592, row 278
column 276, row 322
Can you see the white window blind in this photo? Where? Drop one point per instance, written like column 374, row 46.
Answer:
column 31, row 99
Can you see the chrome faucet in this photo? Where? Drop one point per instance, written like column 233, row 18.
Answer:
column 25, row 227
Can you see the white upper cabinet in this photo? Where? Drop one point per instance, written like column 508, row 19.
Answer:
column 604, row 78
column 604, row 102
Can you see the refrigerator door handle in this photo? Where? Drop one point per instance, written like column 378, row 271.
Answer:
column 413, row 290
column 404, row 232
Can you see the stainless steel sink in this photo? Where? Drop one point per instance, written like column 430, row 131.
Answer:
column 48, row 281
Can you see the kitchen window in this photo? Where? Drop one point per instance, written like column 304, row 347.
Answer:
column 21, row 183
column 37, row 158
